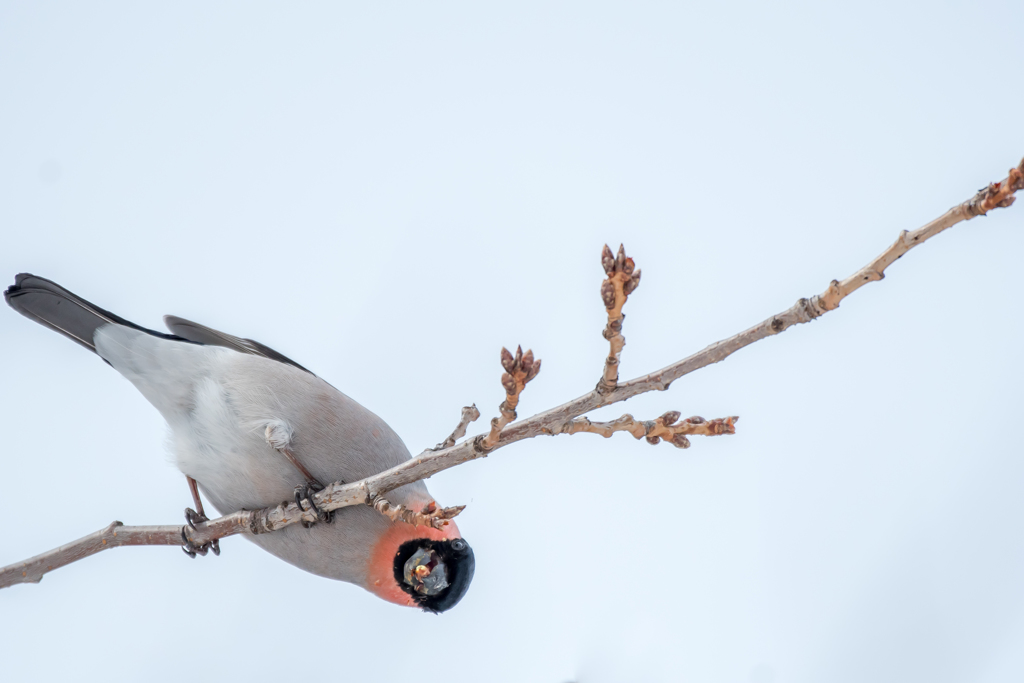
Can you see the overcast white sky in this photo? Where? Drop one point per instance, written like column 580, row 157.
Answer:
column 389, row 193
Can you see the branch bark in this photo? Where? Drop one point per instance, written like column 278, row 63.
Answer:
column 564, row 419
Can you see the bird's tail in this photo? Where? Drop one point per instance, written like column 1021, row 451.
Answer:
column 51, row 305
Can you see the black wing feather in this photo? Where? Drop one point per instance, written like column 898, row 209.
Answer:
column 207, row 335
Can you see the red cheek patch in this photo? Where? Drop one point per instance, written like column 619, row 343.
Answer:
column 380, row 572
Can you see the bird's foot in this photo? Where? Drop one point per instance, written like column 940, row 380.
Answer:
column 190, row 548
column 304, row 494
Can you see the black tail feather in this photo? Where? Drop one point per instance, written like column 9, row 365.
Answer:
column 51, row 305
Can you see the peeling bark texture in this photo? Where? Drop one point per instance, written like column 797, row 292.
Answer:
column 564, row 419
column 519, row 370
column 469, row 414
column 615, row 289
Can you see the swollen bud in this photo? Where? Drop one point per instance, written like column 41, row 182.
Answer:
column 533, row 371
column 670, row 417
column 680, row 441
column 608, row 294
column 527, row 362
column 507, row 361
column 632, row 283
column 607, row 260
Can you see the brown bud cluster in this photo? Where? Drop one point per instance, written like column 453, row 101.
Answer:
column 669, row 428
column 620, row 270
column 431, row 515
column 519, row 369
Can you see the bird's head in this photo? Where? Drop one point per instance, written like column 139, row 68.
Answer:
column 421, row 567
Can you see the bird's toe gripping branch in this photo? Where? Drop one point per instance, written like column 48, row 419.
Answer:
column 615, row 289
column 519, row 370
column 667, row 427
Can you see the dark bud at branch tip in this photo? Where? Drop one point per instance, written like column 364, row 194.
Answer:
column 620, row 258
column 527, row 361
column 519, row 354
column 506, row 359
column 607, row 260
column 629, row 266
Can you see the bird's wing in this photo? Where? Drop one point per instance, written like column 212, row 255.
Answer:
column 207, row 335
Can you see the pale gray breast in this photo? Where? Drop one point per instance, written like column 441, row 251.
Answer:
column 334, row 437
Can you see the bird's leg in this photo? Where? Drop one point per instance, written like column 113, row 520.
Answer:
column 298, row 465
column 279, row 436
column 197, row 515
column 194, row 517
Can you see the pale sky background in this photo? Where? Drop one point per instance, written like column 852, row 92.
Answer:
column 390, row 192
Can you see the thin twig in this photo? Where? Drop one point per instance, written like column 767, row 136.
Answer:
column 431, row 515
column 519, row 370
column 558, row 420
column 469, row 414
column 615, row 289
column 665, row 427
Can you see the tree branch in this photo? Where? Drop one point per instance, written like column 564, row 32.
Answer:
column 564, row 419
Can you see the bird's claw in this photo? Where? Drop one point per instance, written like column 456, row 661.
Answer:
column 304, row 493
column 190, row 548
column 193, row 518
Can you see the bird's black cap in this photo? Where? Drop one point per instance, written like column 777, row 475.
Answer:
column 435, row 573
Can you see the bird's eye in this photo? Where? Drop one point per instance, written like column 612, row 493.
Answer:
column 459, row 545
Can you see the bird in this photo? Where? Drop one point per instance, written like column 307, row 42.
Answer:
column 250, row 427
